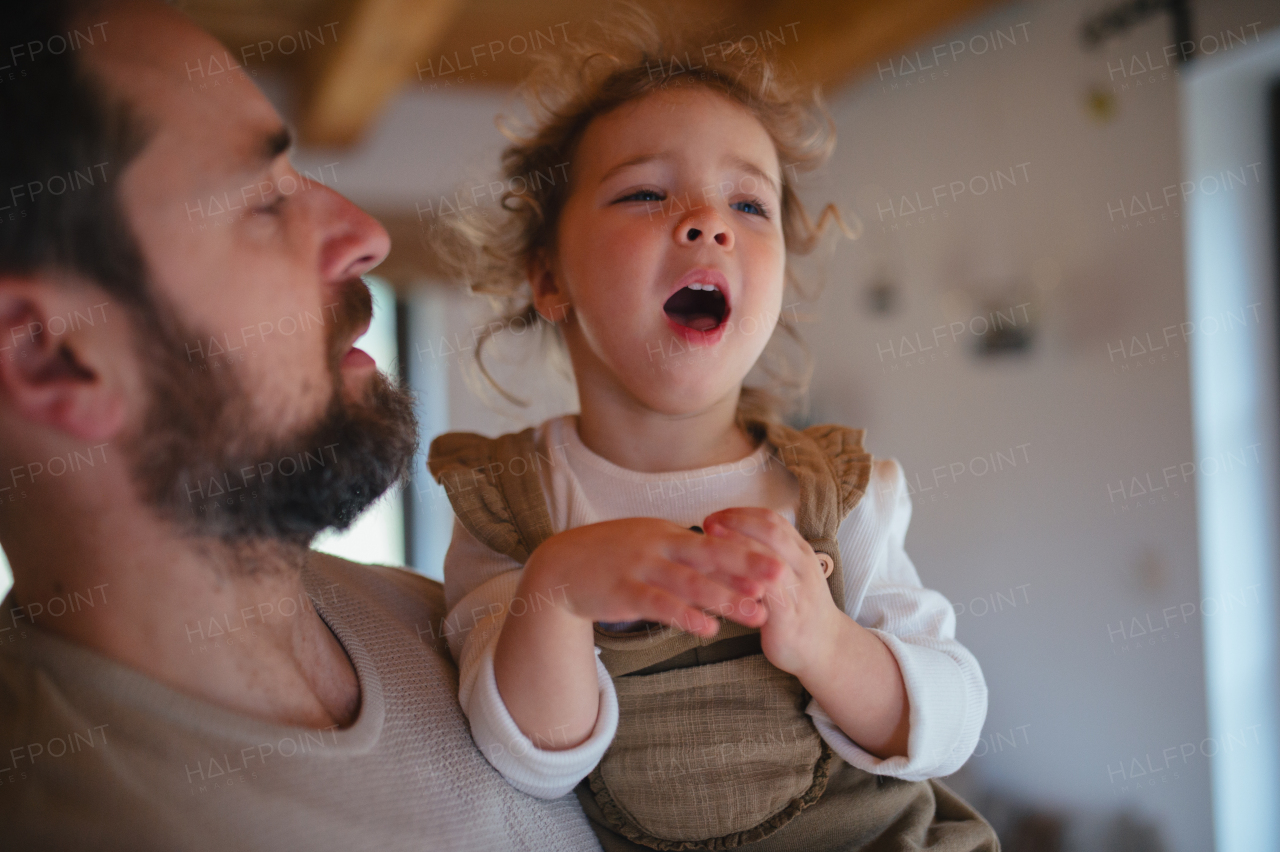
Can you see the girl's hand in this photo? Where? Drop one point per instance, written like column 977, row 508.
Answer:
column 655, row 570
column 803, row 622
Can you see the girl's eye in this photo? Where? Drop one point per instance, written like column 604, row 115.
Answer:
column 644, row 195
column 755, row 207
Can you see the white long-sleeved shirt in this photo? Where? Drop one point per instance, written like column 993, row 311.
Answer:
column 945, row 687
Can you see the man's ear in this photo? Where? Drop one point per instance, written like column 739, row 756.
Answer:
column 549, row 297
column 53, row 358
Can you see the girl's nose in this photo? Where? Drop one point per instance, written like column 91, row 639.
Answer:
column 707, row 227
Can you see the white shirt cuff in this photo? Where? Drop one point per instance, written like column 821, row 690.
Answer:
column 538, row 772
column 935, row 690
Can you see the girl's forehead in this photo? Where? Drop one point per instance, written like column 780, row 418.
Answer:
column 691, row 121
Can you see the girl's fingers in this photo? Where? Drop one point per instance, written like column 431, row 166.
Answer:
column 744, row 607
column 749, row 613
column 761, row 560
column 764, row 526
column 696, row 589
column 656, row 604
column 740, row 556
column 744, row 586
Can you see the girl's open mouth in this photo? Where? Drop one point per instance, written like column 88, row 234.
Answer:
column 699, row 306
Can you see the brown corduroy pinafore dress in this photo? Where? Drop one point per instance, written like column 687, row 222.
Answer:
column 714, row 749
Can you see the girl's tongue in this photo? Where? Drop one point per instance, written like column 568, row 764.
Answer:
column 700, row 307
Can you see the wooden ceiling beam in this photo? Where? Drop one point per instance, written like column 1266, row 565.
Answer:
column 837, row 39
column 378, row 44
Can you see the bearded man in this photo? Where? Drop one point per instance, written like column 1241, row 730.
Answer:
column 181, row 412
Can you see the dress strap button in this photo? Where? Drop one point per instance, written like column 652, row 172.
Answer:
column 828, row 564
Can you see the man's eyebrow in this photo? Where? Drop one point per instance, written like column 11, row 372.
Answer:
column 755, row 171
column 257, row 153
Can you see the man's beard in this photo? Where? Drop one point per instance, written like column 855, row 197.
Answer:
column 204, row 462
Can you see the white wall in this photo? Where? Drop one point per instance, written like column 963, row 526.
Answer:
column 1067, row 555
column 1058, row 523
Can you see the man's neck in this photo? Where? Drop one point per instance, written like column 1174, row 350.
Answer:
column 233, row 626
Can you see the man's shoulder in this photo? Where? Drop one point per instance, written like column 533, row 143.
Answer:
column 58, row 785
column 18, row 684
column 361, row 574
column 401, row 594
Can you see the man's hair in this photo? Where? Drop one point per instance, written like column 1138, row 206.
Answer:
column 64, row 142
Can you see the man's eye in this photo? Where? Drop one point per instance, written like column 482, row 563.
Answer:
column 273, row 207
column 754, row 207
column 644, row 195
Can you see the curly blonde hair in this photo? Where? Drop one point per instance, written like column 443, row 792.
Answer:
column 631, row 56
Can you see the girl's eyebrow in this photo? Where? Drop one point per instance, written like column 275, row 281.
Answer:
column 739, row 163
column 634, row 161
column 755, row 171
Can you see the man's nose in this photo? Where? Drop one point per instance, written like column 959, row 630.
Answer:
column 354, row 241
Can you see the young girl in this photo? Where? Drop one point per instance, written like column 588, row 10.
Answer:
column 705, row 614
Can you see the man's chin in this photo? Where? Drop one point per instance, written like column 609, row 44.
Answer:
column 287, row 489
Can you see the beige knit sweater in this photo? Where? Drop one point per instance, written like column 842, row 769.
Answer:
column 96, row 755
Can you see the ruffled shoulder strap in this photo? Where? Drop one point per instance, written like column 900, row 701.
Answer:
column 494, row 488
column 832, row 470
column 850, row 463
